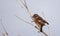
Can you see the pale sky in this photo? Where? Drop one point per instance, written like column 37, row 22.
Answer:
column 15, row 27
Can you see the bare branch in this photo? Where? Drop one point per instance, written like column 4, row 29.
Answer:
column 44, row 33
column 25, row 5
column 3, row 27
column 27, row 22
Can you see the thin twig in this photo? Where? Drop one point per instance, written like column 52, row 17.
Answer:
column 27, row 22
column 24, row 20
column 25, row 5
column 44, row 33
column 3, row 27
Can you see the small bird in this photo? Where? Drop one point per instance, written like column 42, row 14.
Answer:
column 39, row 21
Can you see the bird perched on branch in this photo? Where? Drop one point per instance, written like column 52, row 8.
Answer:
column 40, row 22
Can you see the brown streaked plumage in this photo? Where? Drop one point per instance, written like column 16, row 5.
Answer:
column 39, row 21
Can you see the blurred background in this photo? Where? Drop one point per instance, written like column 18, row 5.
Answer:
column 48, row 9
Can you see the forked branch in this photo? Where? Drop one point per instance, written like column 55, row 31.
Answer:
column 25, row 5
